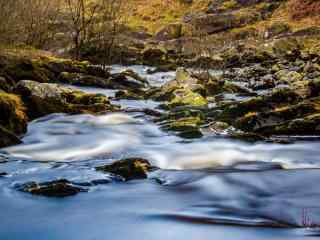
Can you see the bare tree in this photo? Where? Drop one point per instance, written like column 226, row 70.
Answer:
column 8, row 16
column 37, row 20
column 110, row 26
column 82, row 15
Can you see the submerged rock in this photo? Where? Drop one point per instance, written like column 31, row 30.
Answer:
column 44, row 98
column 2, row 174
column 58, row 188
column 129, row 169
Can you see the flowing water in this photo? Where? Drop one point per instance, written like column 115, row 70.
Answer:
column 209, row 188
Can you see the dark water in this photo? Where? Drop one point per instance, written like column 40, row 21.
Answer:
column 210, row 188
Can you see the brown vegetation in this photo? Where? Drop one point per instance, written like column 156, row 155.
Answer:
column 304, row 8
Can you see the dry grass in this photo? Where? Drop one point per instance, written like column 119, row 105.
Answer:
column 23, row 52
column 155, row 14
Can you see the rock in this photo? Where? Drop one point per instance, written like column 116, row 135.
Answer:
column 169, row 32
column 248, row 137
column 182, row 124
column 81, row 79
column 219, row 22
column 187, row 97
column 251, row 107
column 287, row 47
column 309, row 125
column 153, row 56
column 12, row 117
column 132, row 74
column 277, row 29
column 286, row 76
column 4, row 84
column 127, row 79
column 45, row 98
column 130, row 95
column 129, row 169
column 183, row 90
column 2, row 174
column 264, row 122
column 7, row 138
column 59, row 188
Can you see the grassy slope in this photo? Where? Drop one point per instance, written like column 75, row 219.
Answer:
column 154, row 14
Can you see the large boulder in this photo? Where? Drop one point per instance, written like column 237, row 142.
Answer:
column 45, row 98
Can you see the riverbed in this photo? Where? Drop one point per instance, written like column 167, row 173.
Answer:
column 207, row 188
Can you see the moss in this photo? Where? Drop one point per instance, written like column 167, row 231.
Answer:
column 187, row 97
column 229, row 5
column 187, row 127
column 42, row 99
column 129, row 169
column 13, row 115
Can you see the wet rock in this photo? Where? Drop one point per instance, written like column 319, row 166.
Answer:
column 130, row 95
column 81, row 79
column 186, row 127
column 59, row 188
column 264, row 122
column 247, row 137
column 132, row 74
column 7, row 138
column 44, row 98
column 153, row 56
column 2, row 174
column 309, row 125
column 187, row 97
column 183, row 90
column 128, row 169
column 264, row 103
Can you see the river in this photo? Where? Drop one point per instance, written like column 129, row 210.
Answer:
column 208, row 188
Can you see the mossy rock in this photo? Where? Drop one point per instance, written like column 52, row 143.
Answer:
column 128, row 169
column 13, row 116
column 278, row 98
column 20, row 69
column 187, row 97
column 287, row 47
column 44, row 98
column 187, row 127
column 154, row 56
column 309, row 125
column 130, row 95
column 59, row 188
